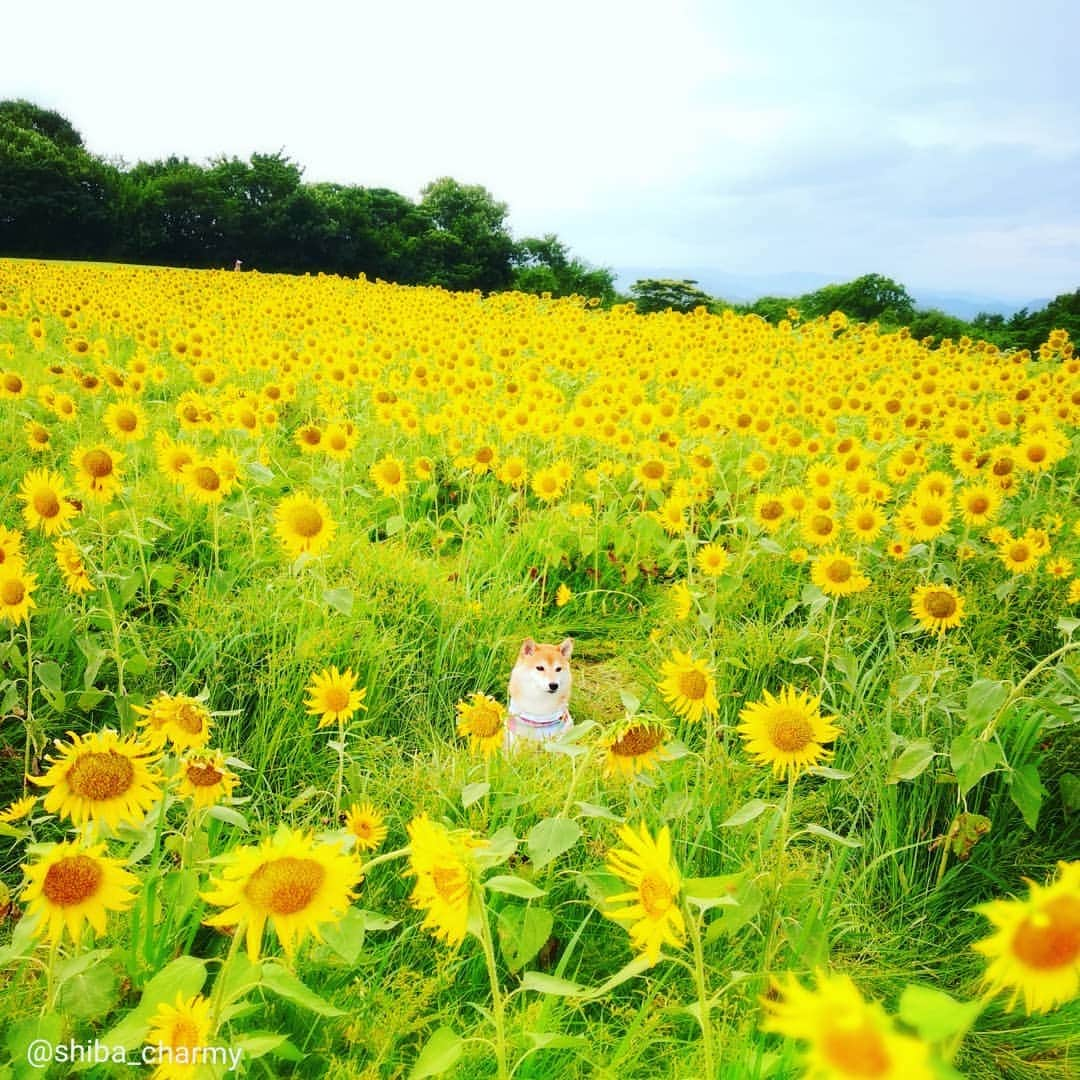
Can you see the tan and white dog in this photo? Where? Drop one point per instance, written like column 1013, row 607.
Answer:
column 539, row 693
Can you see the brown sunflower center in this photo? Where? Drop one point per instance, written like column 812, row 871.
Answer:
column 203, row 774
column 637, row 741
column 1036, row 453
column 940, row 603
column 126, row 420
column 285, row 886
column 12, row 592
column 772, row 510
column 206, row 478
column 98, row 463
column 931, row 515
column 40, row 436
column 191, row 718
column 307, row 521
column 838, row 571
column 1049, row 940
column 1019, row 553
column 856, row 1052
column 311, row 436
column 336, row 698
column 391, row 474
column 821, row 524
column 1002, row 467
column 100, row 775
column 790, row 731
column 449, row 882
column 486, row 723
column 185, row 1033
column 654, row 470
column 484, row 455
column 46, row 503
column 72, row 880
column 692, row 685
column 656, row 898
column 978, row 504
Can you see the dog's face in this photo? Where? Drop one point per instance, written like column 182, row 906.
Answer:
column 540, row 682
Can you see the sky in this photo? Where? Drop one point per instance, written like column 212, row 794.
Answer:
column 934, row 141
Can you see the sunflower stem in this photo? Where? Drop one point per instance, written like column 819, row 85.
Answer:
column 781, row 868
column 497, row 1002
column 28, row 721
column 50, row 976
column 340, row 783
column 1041, row 666
column 828, row 643
column 704, row 1007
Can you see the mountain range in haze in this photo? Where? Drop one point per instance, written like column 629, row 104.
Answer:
column 746, row 288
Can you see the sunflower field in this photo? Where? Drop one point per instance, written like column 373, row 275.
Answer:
column 269, row 547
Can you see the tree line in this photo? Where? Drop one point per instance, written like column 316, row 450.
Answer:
column 876, row 298
column 58, row 200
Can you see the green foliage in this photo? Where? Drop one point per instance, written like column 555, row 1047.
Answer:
column 662, row 294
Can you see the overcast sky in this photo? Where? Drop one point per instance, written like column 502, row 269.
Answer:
column 936, row 141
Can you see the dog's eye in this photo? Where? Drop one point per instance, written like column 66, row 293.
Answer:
column 539, row 667
column 558, row 669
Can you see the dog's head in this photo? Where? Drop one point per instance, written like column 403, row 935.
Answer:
column 542, row 673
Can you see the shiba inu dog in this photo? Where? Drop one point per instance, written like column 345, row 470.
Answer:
column 539, row 693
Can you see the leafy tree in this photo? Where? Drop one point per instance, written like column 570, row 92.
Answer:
column 471, row 242
column 544, row 265
column 660, row 294
column 869, row 297
column 45, row 122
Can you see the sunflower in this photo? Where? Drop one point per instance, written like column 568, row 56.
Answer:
column 184, row 721
column 100, row 777
column 1060, row 568
column 11, row 549
column 206, row 779
column 769, row 512
column 636, row 744
column 69, row 559
column 819, row 528
column 786, row 732
column 688, row 686
column 928, row 516
column 683, row 600
column 563, row 595
column 548, row 484
column 847, row 1036
column 173, row 458
column 291, row 880
column 204, row 482
column 309, row 438
column 304, row 524
column 712, row 560
column 937, row 607
column 653, row 916
column 333, row 696
column 979, row 504
column 125, row 421
column 98, row 474
column 483, row 720
column 1073, row 596
column 37, row 437
column 652, row 472
column 1035, row 950
column 19, row 809
column 865, row 521
column 513, row 472
column 388, row 475
column 365, row 824
column 180, row 1035
column 72, row 884
column 671, row 515
column 446, row 877
column 1018, row 556
column 16, row 586
column 45, row 506
column 837, row 575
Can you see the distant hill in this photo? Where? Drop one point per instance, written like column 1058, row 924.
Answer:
column 746, row 288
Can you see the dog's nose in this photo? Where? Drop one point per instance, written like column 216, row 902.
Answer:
column 552, row 687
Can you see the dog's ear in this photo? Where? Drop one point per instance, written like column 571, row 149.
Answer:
column 567, row 647
column 528, row 647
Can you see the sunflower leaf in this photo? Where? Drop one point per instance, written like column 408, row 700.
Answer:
column 747, row 812
column 550, row 838
column 441, row 1052
column 514, row 886
column 279, row 980
column 935, row 1015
